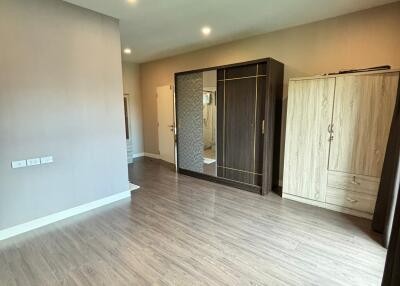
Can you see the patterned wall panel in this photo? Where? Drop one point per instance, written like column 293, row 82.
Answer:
column 189, row 88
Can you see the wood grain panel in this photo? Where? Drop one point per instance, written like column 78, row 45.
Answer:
column 242, row 176
column 220, row 74
column 362, row 115
column 309, row 113
column 351, row 182
column 352, row 200
column 241, row 71
column 262, row 67
column 240, row 100
column 259, row 117
column 220, row 125
column 243, row 111
column 272, row 126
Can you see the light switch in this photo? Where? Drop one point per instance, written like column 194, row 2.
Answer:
column 46, row 160
column 33, row 162
column 18, row 164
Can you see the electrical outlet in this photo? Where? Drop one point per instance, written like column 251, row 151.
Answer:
column 18, row 164
column 46, row 160
column 33, row 162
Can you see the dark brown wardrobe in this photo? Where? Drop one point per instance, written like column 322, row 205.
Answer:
column 248, row 104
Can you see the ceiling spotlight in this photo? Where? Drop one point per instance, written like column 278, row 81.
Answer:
column 206, row 31
column 131, row 1
column 127, row 51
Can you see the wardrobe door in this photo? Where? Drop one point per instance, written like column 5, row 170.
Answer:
column 189, row 104
column 239, row 129
column 309, row 113
column 362, row 115
column 240, row 108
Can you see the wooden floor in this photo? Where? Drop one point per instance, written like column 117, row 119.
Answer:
column 178, row 230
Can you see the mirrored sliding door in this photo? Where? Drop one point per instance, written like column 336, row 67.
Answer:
column 220, row 123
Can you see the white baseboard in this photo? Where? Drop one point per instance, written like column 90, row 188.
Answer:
column 151, row 155
column 137, row 155
column 133, row 187
column 43, row 221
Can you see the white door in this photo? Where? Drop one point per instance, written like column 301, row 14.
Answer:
column 166, row 126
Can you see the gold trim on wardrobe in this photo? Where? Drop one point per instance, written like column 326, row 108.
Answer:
column 239, row 170
column 223, row 127
column 255, row 127
column 236, row 78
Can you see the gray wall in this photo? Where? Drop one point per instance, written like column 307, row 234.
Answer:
column 61, row 95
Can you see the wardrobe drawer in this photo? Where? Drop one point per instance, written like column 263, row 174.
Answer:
column 352, row 200
column 356, row 183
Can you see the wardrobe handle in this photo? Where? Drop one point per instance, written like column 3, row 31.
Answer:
column 354, row 182
column 351, row 200
column 263, row 127
column 330, row 128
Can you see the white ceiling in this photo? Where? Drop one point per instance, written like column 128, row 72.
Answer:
column 155, row 29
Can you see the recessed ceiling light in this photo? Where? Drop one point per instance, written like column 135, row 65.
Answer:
column 127, row 51
column 131, row 1
column 206, row 30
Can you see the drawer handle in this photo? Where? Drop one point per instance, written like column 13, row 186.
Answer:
column 355, row 181
column 351, row 200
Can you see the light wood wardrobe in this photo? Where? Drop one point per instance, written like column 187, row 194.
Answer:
column 337, row 129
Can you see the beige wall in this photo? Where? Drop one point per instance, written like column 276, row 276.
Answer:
column 61, row 95
column 364, row 39
column 131, row 82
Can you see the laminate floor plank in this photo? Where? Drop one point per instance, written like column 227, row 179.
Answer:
column 178, row 230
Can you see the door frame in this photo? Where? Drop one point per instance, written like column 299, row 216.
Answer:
column 128, row 111
column 128, row 127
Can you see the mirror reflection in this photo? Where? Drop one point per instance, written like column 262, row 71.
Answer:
column 209, row 122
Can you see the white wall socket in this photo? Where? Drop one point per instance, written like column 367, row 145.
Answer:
column 46, row 160
column 33, row 162
column 18, row 164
